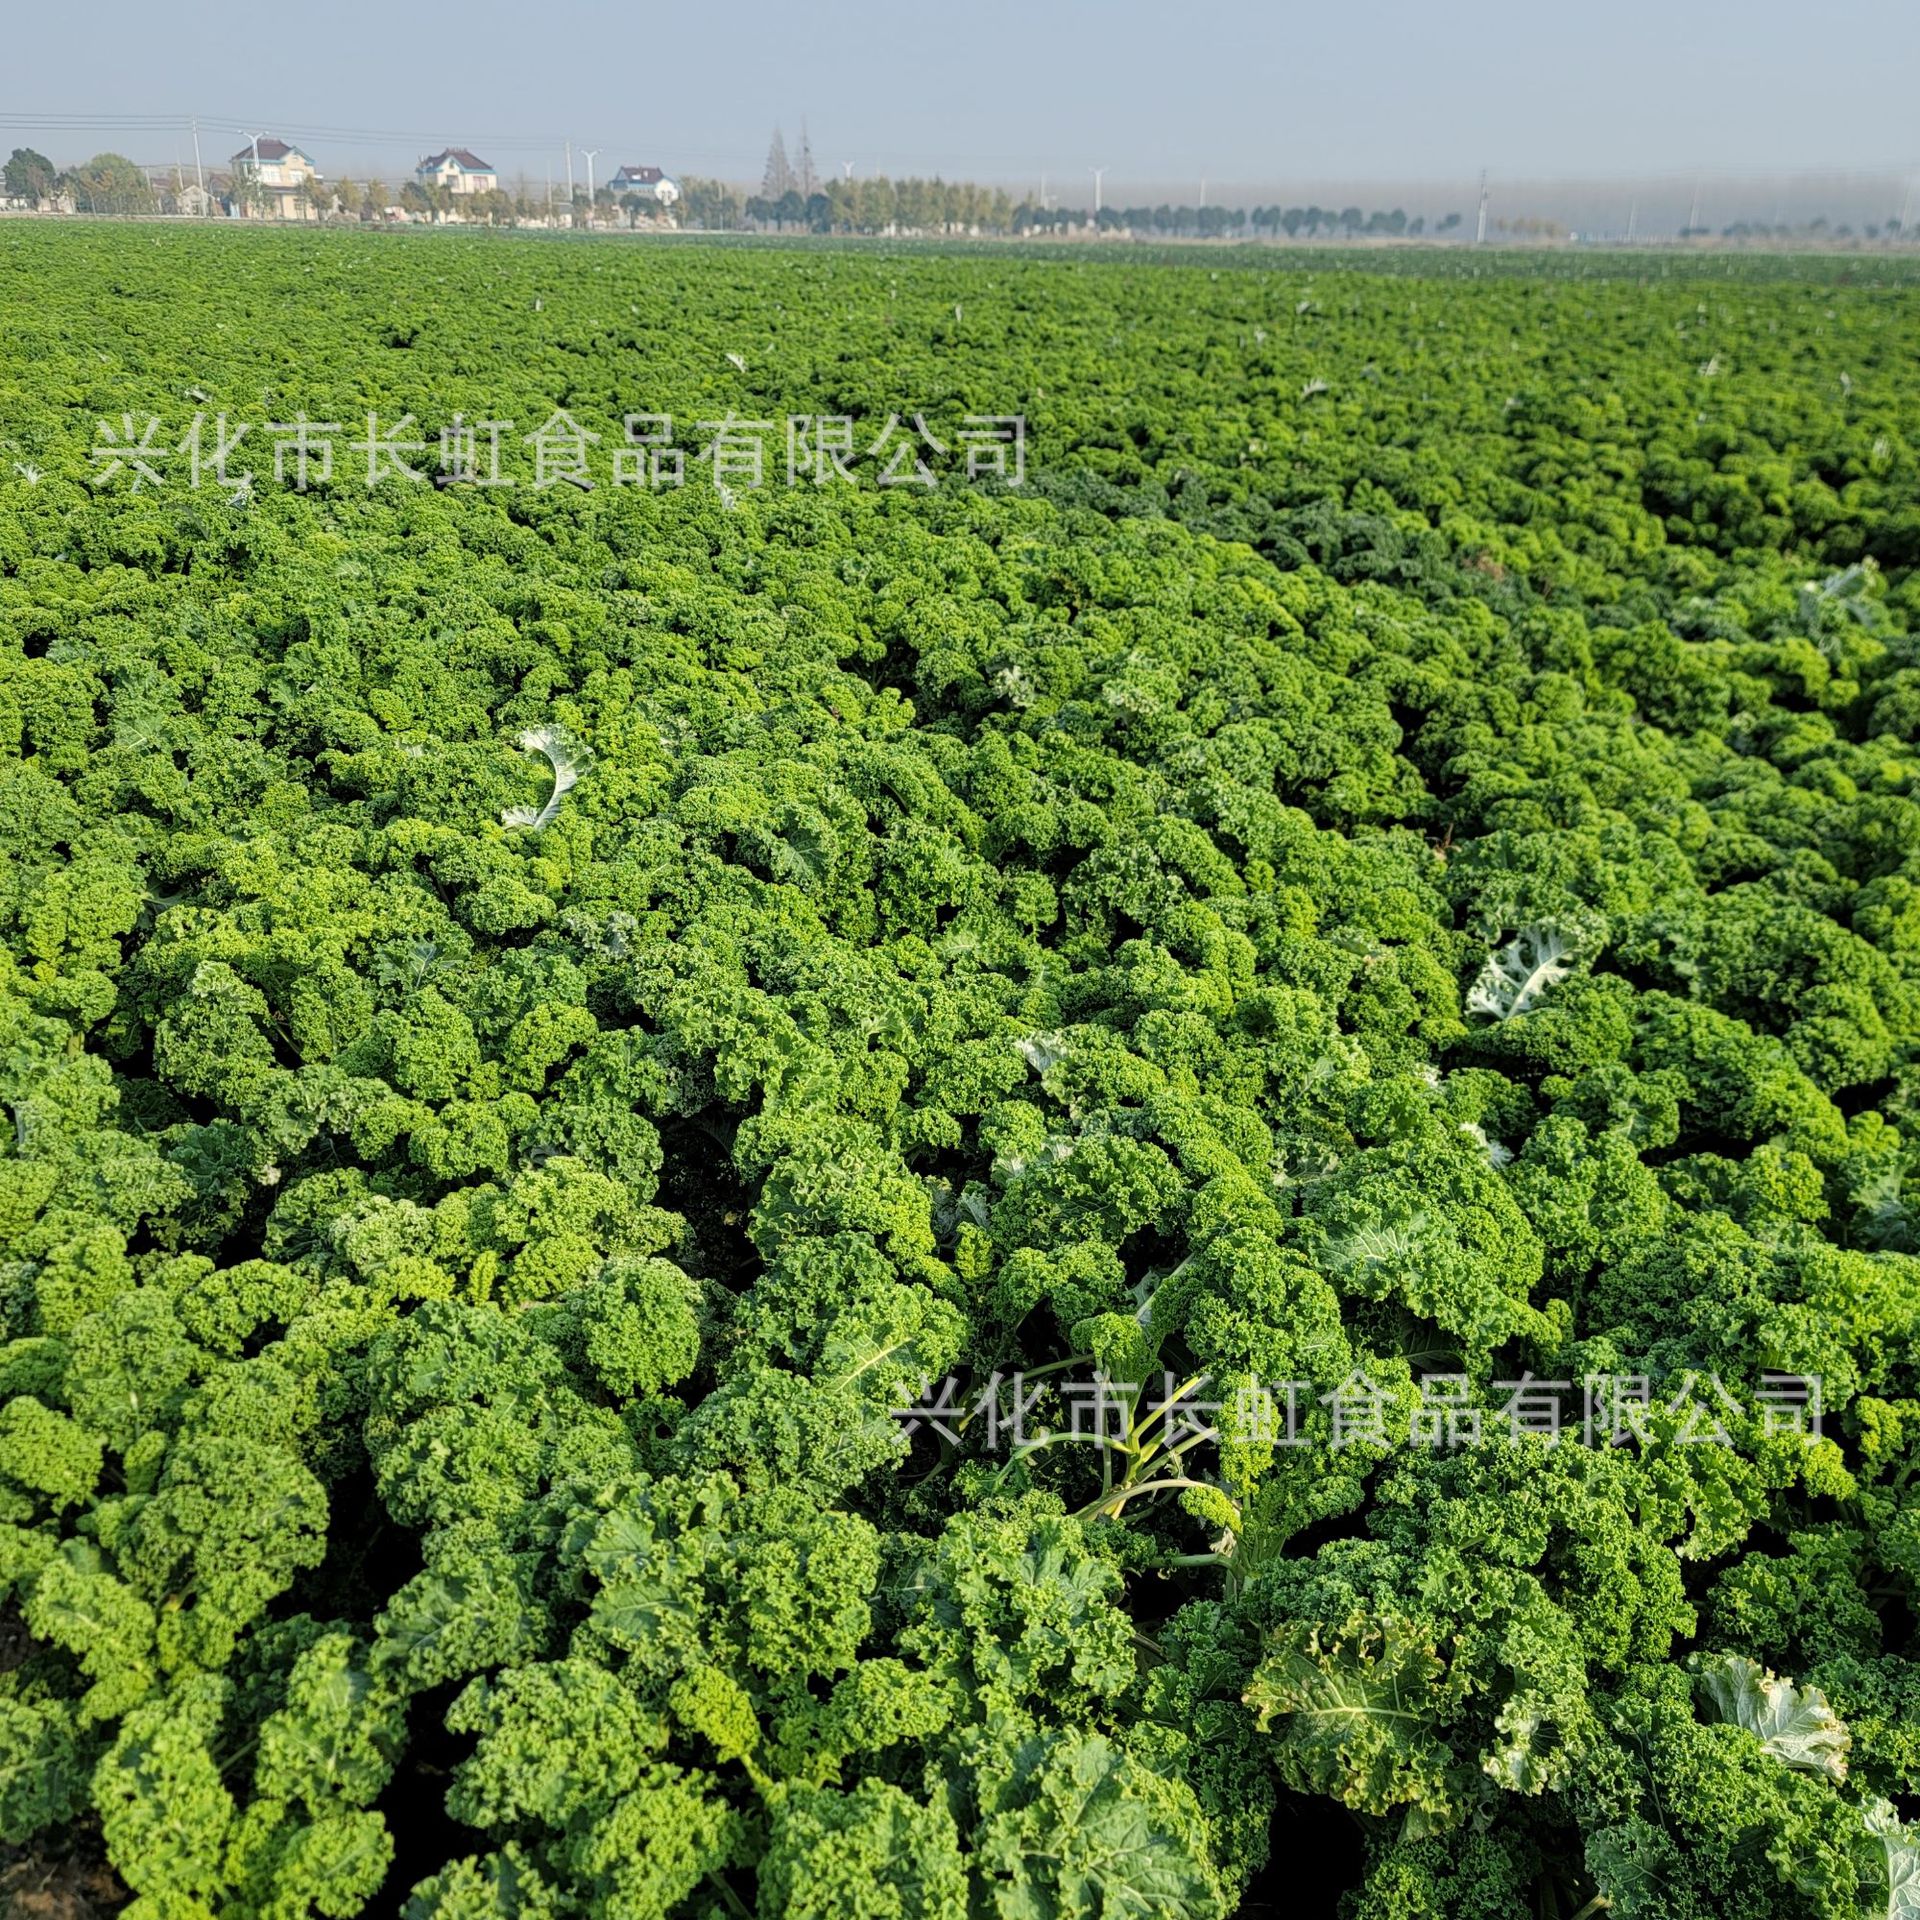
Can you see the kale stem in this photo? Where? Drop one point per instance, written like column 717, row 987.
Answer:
column 726, row 1893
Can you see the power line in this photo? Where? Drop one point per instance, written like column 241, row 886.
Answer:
column 513, row 141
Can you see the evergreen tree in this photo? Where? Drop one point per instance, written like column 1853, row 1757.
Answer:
column 778, row 178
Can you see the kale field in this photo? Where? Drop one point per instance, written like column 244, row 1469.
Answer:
column 855, row 1083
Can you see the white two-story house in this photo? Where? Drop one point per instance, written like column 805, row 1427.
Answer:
column 646, row 183
column 275, row 181
column 458, row 171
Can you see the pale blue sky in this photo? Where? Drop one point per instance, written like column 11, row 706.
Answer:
column 1226, row 90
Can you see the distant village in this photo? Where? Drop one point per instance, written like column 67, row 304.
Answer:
column 276, row 180
column 272, row 179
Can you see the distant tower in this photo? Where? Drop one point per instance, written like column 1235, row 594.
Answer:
column 778, row 178
column 809, row 181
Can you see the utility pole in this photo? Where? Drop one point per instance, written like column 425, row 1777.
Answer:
column 1203, row 194
column 569, row 183
column 1480, row 231
column 1098, row 173
column 256, row 199
column 1693, row 212
column 199, row 179
column 593, row 154
column 1633, row 213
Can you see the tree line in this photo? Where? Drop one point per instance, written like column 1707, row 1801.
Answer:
column 112, row 183
column 880, row 205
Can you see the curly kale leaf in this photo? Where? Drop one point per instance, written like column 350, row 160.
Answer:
column 1518, row 976
column 569, row 760
column 1356, row 1711
column 1085, row 1832
column 1796, row 1725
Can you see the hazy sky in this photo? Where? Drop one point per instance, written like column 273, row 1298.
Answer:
column 1236, row 93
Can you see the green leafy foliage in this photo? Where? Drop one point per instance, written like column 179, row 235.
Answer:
column 1797, row 1726
column 541, row 1029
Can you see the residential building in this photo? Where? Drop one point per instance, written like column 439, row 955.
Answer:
column 274, row 181
column 458, row 171
column 647, row 183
